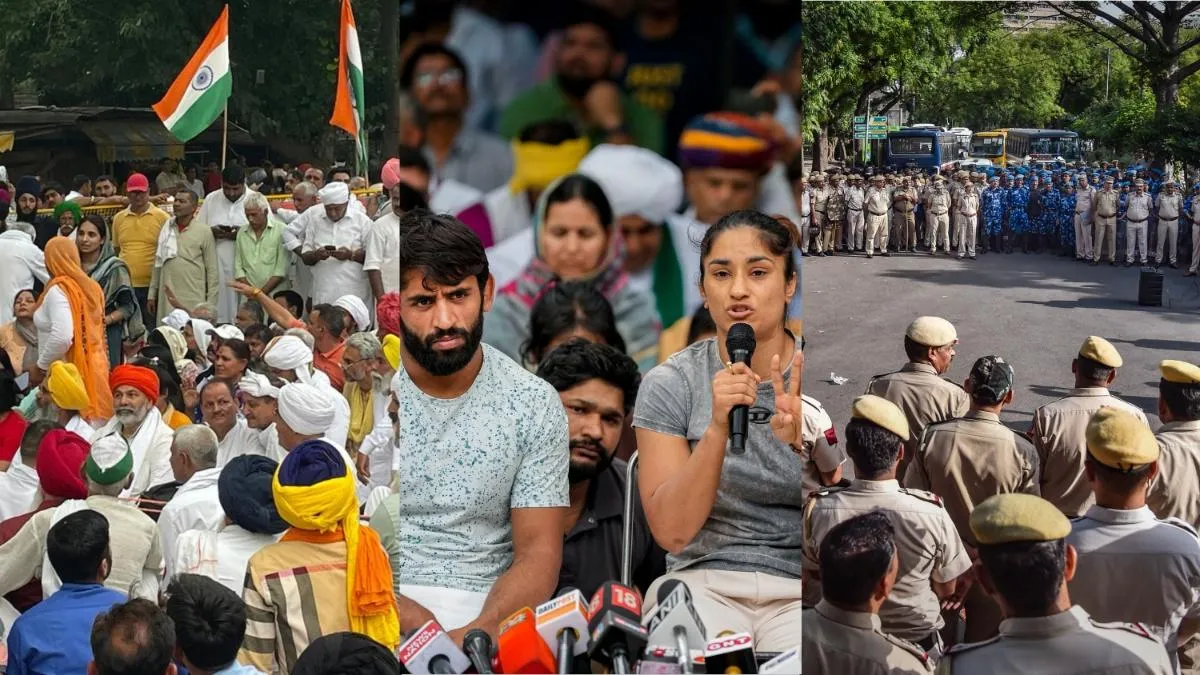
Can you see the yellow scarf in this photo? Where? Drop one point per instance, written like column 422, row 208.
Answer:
column 331, row 505
column 362, row 412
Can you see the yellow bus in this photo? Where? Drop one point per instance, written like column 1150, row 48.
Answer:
column 1015, row 147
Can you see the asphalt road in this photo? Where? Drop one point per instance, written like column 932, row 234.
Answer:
column 1034, row 310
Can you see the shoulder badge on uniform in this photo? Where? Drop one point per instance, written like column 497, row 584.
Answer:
column 923, row 495
column 1181, row 524
column 1135, row 628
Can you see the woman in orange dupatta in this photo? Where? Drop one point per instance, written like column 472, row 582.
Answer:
column 70, row 322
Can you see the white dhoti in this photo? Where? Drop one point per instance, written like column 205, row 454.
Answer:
column 227, row 300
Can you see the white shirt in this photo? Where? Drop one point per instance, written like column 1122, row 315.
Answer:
column 334, row 278
column 234, row 548
column 151, row 448
column 195, row 506
column 19, row 491
column 217, row 210
column 54, row 324
column 451, row 196
column 383, row 251
column 241, row 440
column 20, row 263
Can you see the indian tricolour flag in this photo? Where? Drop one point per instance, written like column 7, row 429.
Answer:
column 200, row 91
column 348, row 105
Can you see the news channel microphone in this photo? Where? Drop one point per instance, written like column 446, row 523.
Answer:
column 478, row 646
column 430, row 651
column 615, row 627
column 783, row 663
column 740, row 344
column 675, row 623
column 730, row 653
column 563, row 624
column 522, row 650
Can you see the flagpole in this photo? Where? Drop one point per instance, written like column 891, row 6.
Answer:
column 224, row 134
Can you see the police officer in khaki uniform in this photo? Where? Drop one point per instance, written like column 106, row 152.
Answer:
column 917, row 388
column 843, row 633
column 1175, row 493
column 1169, row 206
column 1026, row 564
column 932, row 557
column 1120, row 544
column 937, row 208
column 967, row 213
column 878, row 201
column 966, row 460
column 835, row 215
column 904, row 200
column 824, row 463
column 1104, row 208
column 1059, row 427
column 820, row 204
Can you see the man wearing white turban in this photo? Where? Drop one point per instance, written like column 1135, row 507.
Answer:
column 260, row 406
column 333, row 241
column 290, row 360
column 306, row 414
column 357, row 309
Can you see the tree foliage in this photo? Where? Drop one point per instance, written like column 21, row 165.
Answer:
column 127, row 53
column 1036, row 78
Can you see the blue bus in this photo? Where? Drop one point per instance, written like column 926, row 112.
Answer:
column 923, row 148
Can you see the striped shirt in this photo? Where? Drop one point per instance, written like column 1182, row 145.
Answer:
column 295, row 592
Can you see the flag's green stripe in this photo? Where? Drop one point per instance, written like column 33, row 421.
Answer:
column 204, row 110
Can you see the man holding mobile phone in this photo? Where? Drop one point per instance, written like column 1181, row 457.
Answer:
column 334, row 247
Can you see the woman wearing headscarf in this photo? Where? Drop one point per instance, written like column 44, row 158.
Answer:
column 251, row 523
column 314, row 490
column 575, row 240
column 61, row 455
column 186, row 368
column 68, row 215
column 123, row 315
column 70, row 324
column 19, row 337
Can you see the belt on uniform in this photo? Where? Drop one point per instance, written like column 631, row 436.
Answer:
column 939, row 213
column 819, row 210
column 903, row 211
column 851, row 208
column 877, row 213
column 969, row 215
column 1106, row 215
column 1168, row 220
column 1134, row 220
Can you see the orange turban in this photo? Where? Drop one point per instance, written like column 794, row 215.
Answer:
column 141, row 378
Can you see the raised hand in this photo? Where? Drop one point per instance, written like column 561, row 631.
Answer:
column 788, row 420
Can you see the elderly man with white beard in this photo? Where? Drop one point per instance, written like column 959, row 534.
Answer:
column 334, row 245
column 259, row 407
column 289, row 359
column 135, row 390
column 367, row 379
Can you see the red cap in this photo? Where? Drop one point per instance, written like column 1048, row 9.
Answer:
column 137, row 183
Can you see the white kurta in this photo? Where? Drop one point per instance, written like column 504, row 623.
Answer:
column 233, row 545
column 19, row 491
column 383, row 251
column 334, row 278
column 54, row 325
column 20, row 263
column 217, row 210
column 195, row 506
column 241, row 440
column 151, row 447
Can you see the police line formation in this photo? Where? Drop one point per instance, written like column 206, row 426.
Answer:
column 1123, row 217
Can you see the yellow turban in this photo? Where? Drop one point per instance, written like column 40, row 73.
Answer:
column 314, row 492
column 391, row 351
column 65, row 386
column 537, row 165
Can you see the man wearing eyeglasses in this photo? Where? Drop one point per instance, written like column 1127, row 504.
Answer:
column 436, row 78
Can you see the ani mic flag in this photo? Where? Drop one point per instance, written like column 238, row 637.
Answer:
column 348, row 106
column 200, row 91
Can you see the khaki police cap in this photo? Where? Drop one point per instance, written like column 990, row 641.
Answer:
column 1179, row 372
column 881, row 412
column 1016, row 517
column 1101, row 351
column 1119, row 440
column 931, row 331
column 1138, row 182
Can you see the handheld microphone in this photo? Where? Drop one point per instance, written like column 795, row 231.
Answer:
column 675, row 623
column 740, row 344
column 731, row 654
column 615, row 626
column 430, row 651
column 522, row 650
column 784, row 662
column 478, row 646
column 563, row 624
